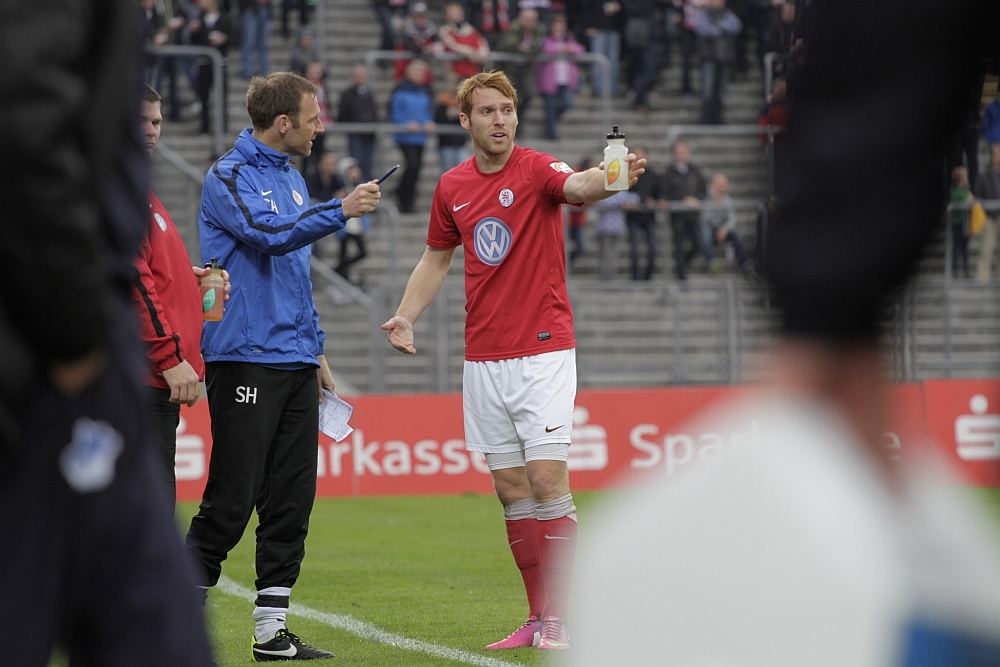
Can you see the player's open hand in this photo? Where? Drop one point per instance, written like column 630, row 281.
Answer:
column 636, row 168
column 400, row 334
column 363, row 200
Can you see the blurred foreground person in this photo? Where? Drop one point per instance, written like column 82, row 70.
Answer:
column 90, row 557
column 801, row 544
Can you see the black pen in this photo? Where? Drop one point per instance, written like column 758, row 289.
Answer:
column 386, row 175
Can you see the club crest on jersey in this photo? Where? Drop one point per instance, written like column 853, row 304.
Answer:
column 506, row 197
column 160, row 221
column 297, row 197
column 561, row 166
column 493, row 240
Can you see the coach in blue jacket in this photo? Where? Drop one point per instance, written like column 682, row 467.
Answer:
column 264, row 360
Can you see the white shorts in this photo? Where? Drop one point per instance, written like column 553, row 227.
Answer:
column 515, row 404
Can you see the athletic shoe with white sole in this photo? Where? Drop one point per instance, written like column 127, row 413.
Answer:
column 554, row 635
column 526, row 635
column 286, row 646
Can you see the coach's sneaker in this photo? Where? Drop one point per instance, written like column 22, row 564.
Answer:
column 526, row 635
column 554, row 634
column 286, row 646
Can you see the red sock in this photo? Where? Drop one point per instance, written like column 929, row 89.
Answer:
column 557, row 543
column 522, row 535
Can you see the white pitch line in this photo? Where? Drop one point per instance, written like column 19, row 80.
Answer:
column 370, row 632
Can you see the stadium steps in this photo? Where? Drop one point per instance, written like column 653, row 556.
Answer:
column 628, row 334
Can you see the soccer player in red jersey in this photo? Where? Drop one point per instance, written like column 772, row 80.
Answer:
column 519, row 384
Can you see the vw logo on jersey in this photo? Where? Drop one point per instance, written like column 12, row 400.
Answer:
column 506, row 198
column 493, row 240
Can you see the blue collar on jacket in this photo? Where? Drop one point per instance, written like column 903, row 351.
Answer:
column 257, row 153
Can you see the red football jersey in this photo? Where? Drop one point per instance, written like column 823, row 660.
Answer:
column 511, row 227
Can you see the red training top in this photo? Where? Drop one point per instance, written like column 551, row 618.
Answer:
column 168, row 298
column 511, row 227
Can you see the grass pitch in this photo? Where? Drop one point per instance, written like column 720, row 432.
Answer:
column 431, row 568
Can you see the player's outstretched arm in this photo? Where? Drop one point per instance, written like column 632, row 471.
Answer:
column 585, row 186
column 421, row 288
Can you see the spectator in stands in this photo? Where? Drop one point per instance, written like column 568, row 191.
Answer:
column 718, row 225
column 390, row 14
column 689, row 41
column 303, row 7
column 357, row 105
column 611, row 227
column 492, row 18
column 525, row 38
column 991, row 121
column 557, row 80
column 959, row 195
column 355, row 228
column 303, row 52
column 210, row 27
column 603, row 24
column 451, row 147
column 325, row 182
column 782, row 36
column 160, row 29
column 411, row 105
column 642, row 49
column 683, row 187
column 577, row 220
column 716, row 28
column 760, row 17
column 742, row 10
column 316, row 74
column 988, row 187
column 418, row 35
column 255, row 23
column 154, row 33
column 642, row 220
column 459, row 36
column 964, row 148
column 775, row 111
column 545, row 8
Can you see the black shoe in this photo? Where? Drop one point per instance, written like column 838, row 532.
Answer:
column 286, row 646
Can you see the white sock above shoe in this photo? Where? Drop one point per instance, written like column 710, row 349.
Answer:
column 270, row 612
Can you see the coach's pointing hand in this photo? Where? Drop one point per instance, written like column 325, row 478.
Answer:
column 363, row 200
column 400, row 334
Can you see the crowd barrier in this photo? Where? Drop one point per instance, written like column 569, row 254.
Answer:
column 413, row 444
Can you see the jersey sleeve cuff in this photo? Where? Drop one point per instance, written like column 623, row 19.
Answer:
column 443, row 245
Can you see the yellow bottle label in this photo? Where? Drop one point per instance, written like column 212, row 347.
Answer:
column 614, row 170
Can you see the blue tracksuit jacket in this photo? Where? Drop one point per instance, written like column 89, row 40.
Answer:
column 256, row 218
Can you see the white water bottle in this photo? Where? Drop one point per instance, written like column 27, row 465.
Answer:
column 615, row 166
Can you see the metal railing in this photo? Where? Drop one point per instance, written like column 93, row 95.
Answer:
column 598, row 60
column 769, row 59
column 218, row 82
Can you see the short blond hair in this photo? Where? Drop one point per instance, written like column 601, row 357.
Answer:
column 498, row 81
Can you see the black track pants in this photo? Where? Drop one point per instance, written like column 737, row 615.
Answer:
column 264, row 439
column 90, row 555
